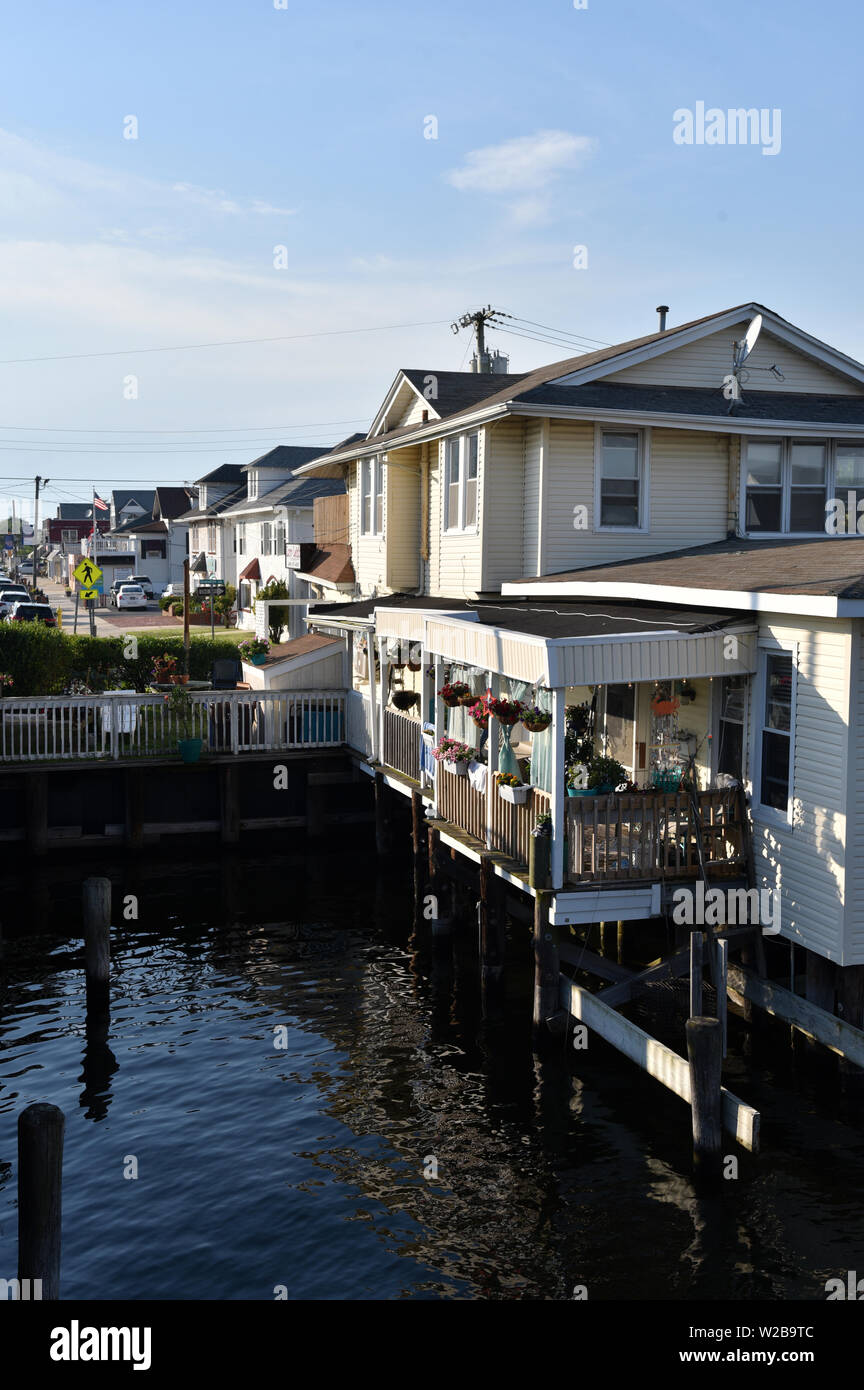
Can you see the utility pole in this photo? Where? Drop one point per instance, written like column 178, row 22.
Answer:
column 39, row 483
column 478, row 321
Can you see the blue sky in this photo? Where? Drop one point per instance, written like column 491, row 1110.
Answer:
column 303, row 127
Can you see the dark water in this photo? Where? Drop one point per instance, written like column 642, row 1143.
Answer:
column 303, row 1166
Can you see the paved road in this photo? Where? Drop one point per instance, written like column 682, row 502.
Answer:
column 108, row 621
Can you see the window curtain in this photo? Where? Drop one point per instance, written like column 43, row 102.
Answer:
column 507, row 762
column 460, row 725
column 541, row 747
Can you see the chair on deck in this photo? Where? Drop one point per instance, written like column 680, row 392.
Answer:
column 225, row 674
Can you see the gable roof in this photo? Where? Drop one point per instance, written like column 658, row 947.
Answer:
column 467, row 394
column 225, row 473
column 173, row 501
column 288, row 456
column 121, row 497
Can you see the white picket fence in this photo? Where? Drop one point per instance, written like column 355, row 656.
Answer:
column 129, row 725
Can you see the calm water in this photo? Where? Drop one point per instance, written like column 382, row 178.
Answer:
column 303, row 1166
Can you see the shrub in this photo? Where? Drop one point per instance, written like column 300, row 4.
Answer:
column 43, row 661
column 277, row 618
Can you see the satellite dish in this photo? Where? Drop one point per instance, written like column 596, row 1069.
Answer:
column 748, row 342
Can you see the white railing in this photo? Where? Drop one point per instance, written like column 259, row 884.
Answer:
column 359, row 720
column 129, row 725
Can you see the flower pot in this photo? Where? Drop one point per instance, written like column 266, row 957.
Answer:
column 581, row 791
column 537, row 726
column 458, row 769
column 468, row 699
column 517, row 796
column 452, row 702
column 190, row 749
column 539, row 860
column 178, row 680
column 258, row 659
column 405, row 699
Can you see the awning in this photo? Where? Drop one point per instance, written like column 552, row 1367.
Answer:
column 252, row 571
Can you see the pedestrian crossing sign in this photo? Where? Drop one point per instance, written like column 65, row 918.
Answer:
column 86, row 594
column 88, row 574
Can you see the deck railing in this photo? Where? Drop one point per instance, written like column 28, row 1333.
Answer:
column 465, row 806
column 651, row 835
column 402, row 743
column 65, row 728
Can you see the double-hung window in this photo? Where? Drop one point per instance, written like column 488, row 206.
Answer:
column 776, row 731
column 849, row 477
column 788, row 483
column 266, row 538
column 620, row 479
column 461, row 459
column 371, row 497
column 241, row 537
column 279, row 542
column 211, row 538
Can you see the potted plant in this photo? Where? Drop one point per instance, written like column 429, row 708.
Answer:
column 536, row 719
column 479, row 712
column 6, row 682
column 577, row 780
column 605, row 774
column 540, row 851
column 452, row 692
column 453, row 756
column 179, row 702
column 164, row 668
column 509, row 712
column 511, row 789
column 254, row 650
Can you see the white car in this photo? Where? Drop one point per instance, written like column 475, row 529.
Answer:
column 131, row 596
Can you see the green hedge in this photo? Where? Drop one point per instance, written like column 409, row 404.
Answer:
column 43, row 661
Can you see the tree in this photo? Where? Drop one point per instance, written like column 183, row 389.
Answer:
column 277, row 618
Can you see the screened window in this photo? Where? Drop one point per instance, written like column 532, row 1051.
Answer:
column 620, row 470
column 807, row 478
column 765, row 485
column 461, row 461
column 789, row 483
column 777, row 724
column 849, row 477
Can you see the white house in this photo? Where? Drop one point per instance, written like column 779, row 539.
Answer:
column 648, row 532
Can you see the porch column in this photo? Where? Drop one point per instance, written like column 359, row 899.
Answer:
column 425, row 693
column 373, row 695
column 491, row 760
column 559, row 800
column 382, row 695
column 440, row 730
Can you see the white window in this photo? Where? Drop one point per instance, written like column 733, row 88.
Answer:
column 371, row 497
column 211, row 538
column 252, row 483
column 241, row 537
column 266, row 538
column 461, row 457
column 279, row 542
column 620, row 480
column 788, row 483
column 776, row 727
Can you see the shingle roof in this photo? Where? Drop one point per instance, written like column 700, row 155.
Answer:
column 173, row 501
column 332, row 563
column 460, row 390
column 285, row 456
column 803, row 407
column 832, row 567
column 225, row 473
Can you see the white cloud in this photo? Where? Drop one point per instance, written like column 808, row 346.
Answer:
column 526, row 163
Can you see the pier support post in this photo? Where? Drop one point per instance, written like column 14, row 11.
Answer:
column 492, row 933
column 40, row 1179
column 315, row 817
column 417, row 849
column 383, row 843
column 695, row 974
column 97, row 940
column 229, row 803
column 704, row 1052
column 36, row 811
column 134, row 835
column 546, row 968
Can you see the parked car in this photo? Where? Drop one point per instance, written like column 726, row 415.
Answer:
column 33, row 613
column 130, row 596
column 145, row 582
column 172, row 591
column 10, row 594
column 25, row 567
column 115, row 589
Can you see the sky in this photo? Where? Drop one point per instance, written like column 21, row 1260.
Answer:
column 350, row 179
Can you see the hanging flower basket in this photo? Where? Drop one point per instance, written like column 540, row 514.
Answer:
column 479, row 713
column 536, row 720
column 452, row 693
column 415, row 658
column 509, row 712
column 469, row 698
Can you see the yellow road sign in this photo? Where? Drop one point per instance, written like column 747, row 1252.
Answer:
column 88, row 573
column 86, row 594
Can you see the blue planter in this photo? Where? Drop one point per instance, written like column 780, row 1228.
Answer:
column 580, row 791
column 322, row 726
column 259, row 658
column 190, row 749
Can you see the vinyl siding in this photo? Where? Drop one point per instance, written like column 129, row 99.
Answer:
column 501, row 516
column 687, row 496
column 533, row 447
column 806, row 860
column 855, row 851
column 402, row 508
column 367, row 551
column 454, row 557
column 705, row 363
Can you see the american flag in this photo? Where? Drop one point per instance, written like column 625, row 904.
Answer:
column 99, row 504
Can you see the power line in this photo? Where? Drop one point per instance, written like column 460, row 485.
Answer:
column 534, row 338
column 235, row 429
column 229, row 342
column 560, row 332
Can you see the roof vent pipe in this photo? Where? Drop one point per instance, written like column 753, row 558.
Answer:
column 662, row 310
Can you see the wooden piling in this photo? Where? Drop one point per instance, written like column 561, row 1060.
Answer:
column 382, row 818
column 704, row 1052
column 417, row 822
column 695, row 974
column 97, row 939
column 134, row 786
column 620, row 956
column 36, row 811
column 40, row 1177
column 229, row 803
column 721, row 948
column 546, row 967
column 492, row 936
